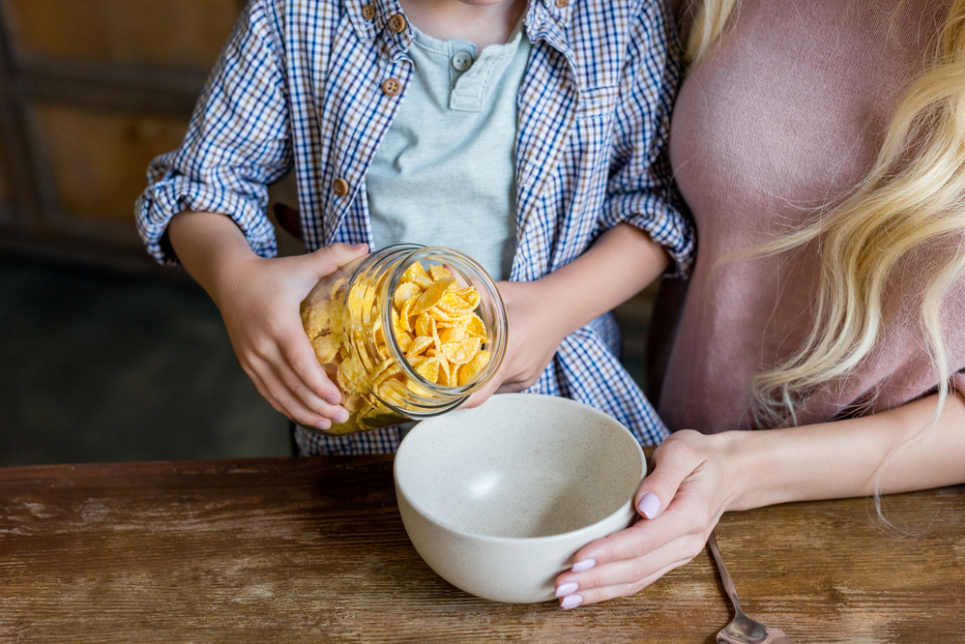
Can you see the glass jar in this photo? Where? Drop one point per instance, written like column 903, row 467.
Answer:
column 407, row 332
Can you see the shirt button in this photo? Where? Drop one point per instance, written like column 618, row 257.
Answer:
column 391, row 87
column 462, row 61
column 562, row 3
column 368, row 11
column 340, row 187
column 397, row 23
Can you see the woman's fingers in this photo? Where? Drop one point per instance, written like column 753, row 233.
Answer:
column 631, row 559
column 679, row 527
column 683, row 497
column 583, row 597
column 673, row 462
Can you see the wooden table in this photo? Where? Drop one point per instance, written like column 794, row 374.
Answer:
column 313, row 550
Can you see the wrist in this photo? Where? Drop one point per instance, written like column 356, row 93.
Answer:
column 540, row 305
column 212, row 249
column 753, row 465
column 731, row 452
column 775, row 466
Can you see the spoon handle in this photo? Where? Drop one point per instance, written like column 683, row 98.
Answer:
column 724, row 575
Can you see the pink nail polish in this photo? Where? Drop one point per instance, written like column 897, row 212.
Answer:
column 584, row 564
column 571, row 601
column 649, row 505
column 567, row 589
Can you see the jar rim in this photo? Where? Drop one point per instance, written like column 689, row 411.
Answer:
column 416, row 252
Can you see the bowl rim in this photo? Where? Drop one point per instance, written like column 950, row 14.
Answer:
column 624, row 509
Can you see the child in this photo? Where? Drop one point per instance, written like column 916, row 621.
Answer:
column 518, row 132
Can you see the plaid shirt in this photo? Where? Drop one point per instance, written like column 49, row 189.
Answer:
column 313, row 85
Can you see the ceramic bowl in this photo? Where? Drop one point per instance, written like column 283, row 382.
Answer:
column 498, row 498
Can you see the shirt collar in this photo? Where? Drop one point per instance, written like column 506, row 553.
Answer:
column 549, row 17
column 545, row 19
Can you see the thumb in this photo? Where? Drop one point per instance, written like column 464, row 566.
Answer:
column 328, row 259
column 481, row 396
column 672, row 463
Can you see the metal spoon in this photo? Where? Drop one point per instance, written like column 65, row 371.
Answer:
column 742, row 629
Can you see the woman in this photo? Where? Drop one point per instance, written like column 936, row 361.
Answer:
column 821, row 148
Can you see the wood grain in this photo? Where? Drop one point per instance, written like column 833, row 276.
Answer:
column 97, row 157
column 313, row 550
column 182, row 33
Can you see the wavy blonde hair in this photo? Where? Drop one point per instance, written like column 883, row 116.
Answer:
column 913, row 196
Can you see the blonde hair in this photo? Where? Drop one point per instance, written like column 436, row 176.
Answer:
column 913, row 196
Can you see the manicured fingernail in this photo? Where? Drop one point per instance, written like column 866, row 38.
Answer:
column 332, row 399
column 582, row 565
column 649, row 505
column 571, row 601
column 340, row 416
column 323, row 424
column 566, row 589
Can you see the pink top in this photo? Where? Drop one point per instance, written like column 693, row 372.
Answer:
column 784, row 116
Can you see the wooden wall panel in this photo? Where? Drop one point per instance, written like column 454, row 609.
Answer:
column 97, row 159
column 176, row 33
column 6, row 194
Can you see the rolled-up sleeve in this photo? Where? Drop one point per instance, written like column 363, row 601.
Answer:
column 237, row 143
column 640, row 190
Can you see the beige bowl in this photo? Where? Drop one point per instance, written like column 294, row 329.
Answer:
column 497, row 499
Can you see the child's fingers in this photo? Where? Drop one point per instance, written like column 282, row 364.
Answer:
column 280, row 398
column 330, row 258
column 295, row 384
column 309, row 380
column 483, row 394
column 313, row 396
column 300, row 404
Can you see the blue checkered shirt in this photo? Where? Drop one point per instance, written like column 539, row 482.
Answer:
column 301, row 85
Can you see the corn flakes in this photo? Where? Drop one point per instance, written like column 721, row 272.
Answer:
column 434, row 324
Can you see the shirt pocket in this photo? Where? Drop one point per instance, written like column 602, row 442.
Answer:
column 597, row 102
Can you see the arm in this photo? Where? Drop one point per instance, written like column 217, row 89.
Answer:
column 208, row 200
column 541, row 313
column 259, row 300
column 621, row 263
column 696, row 478
column 646, row 232
column 237, row 143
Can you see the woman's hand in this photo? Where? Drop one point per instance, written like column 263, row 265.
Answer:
column 534, row 336
column 679, row 503
column 696, row 478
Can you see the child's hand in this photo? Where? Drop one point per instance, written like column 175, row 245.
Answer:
column 259, row 302
column 535, row 333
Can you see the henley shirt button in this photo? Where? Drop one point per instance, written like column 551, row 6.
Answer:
column 368, row 11
column 397, row 23
column 462, row 61
column 391, row 87
column 340, row 187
